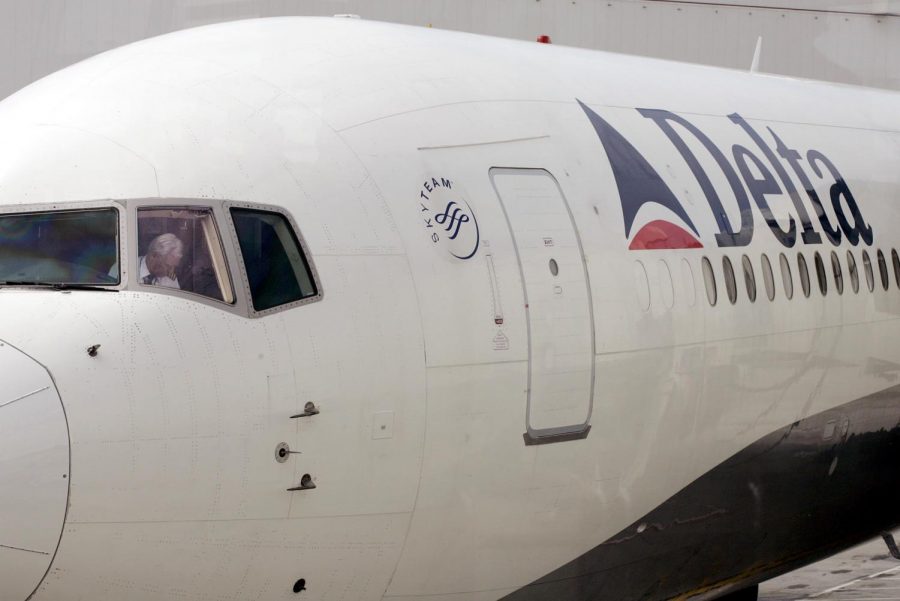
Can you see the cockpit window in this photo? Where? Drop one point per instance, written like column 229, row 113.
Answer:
column 277, row 271
column 60, row 248
column 180, row 248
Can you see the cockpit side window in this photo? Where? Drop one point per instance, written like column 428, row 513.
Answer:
column 276, row 268
column 180, row 248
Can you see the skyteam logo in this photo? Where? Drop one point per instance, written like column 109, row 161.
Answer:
column 448, row 219
column 767, row 178
column 453, row 217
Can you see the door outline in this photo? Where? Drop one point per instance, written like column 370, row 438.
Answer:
column 579, row 431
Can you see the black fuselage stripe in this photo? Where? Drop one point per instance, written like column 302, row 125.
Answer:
column 798, row 494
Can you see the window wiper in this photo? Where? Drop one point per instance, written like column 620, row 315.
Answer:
column 56, row 285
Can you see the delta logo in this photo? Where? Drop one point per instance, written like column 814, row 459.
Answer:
column 752, row 176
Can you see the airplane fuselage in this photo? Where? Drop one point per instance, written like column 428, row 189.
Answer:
column 573, row 325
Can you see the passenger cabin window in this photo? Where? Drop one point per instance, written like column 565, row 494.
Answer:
column 709, row 280
column 180, row 248
column 820, row 274
column 854, row 274
column 749, row 278
column 896, row 260
column 838, row 274
column 768, row 277
column 276, row 268
column 60, row 248
column 883, row 270
column 786, row 278
column 730, row 283
column 867, row 266
column 803, row 270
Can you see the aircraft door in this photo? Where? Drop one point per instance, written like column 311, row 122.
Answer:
column 558, row 304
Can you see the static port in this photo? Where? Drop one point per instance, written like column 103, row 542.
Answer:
column 282, row 451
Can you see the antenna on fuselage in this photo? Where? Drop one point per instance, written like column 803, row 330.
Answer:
column 754, row 66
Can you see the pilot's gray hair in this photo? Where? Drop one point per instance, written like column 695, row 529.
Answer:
column 161, row 247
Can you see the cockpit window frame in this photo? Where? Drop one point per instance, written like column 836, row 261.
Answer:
column 228, row 271
column 127, row 213
column 242, row 269
column 84, row 205
column 240, row 305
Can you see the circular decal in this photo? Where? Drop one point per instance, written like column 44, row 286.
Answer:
column 448, row 219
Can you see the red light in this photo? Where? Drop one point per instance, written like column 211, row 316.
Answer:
column 544, row 39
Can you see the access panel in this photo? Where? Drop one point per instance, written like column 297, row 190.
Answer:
column 34, row 473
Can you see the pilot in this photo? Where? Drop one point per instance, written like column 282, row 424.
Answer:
column 163, row 256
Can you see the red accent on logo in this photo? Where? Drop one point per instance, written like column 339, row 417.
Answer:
column 659, row 234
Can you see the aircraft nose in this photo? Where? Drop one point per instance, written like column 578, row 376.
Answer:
column 34, row 472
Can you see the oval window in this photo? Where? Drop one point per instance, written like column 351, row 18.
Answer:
column 730, row 283
column 803, row 270
column 666, row 286
column 687, row 275
column 838, row 274
column 854, row 273
column 749, row 278
column 821, row 275
column 883, row 270
column 554, row 267
column 867, row 267
column 896, row 260
column 709, row 280
column 768, row 277
column 642, row 285
column 786, row 279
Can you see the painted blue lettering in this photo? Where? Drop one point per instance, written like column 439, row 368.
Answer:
column 793, row 159
column 840, row 190
column 810, row 235
column 760, row 187
column 726, row 236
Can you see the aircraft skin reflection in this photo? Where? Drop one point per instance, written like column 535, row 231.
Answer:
column 497, row 270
